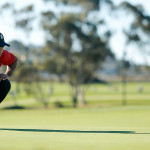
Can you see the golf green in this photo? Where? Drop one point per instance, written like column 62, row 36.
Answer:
column 113, row 128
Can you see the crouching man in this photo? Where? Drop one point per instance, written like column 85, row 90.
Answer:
column 9, row 60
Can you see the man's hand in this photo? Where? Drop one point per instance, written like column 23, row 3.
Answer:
column 3, row 76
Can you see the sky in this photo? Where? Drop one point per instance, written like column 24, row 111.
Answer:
column 11, row 32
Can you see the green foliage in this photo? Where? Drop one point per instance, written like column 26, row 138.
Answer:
column 87, row 5
column 140, row 23
column 93, row 50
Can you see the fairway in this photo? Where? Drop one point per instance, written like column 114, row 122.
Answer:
column 112, row 128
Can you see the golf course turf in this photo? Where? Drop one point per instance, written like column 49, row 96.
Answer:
column 107, row 128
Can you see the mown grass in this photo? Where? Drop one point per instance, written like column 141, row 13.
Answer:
column 108, row 128
column 103, row 123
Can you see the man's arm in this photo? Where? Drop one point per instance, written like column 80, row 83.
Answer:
column 11, row 68
column 9, row 71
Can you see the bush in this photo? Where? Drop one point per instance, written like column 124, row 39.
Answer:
column 58, row 104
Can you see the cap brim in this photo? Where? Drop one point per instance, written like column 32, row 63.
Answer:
column 4, row 44
column 7, row 44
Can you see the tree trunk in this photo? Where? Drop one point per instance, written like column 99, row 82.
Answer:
column 81, row 96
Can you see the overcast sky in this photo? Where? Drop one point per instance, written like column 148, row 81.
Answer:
column 11, row 33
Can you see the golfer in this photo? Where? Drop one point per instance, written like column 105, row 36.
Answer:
column 9, row 60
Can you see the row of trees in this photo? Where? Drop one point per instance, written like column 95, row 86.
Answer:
column 72, row 46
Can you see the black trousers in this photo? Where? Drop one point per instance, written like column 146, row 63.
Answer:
column 4, row 89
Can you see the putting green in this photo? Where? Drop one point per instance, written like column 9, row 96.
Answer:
column 113, row 128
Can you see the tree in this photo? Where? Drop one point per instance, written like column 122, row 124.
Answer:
column 67, row 31
column 79, row 64
column 138, row 30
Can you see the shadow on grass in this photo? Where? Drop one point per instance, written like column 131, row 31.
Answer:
column 13, row 107
column 67, row 131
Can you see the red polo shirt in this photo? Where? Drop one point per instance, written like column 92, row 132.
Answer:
column 6, row 58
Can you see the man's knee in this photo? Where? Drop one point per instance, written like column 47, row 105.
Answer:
column 6, row 84
column 5, row 87
column 9, row 84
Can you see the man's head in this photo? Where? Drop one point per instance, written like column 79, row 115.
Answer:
column 2, row 41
